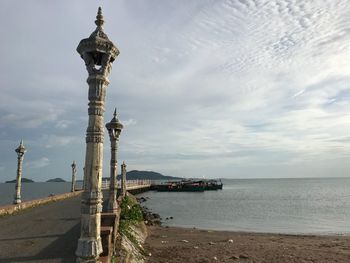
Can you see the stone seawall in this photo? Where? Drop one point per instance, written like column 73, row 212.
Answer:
column 11, row 209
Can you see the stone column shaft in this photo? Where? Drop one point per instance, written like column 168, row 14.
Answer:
column 112, row 202
column 123, row 179
column 73, row 177
column 17, row 199
column 89, row 244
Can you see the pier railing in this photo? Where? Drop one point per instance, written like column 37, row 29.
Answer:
column 129, row 183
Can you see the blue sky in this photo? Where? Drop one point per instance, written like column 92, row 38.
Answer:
column 214, row 88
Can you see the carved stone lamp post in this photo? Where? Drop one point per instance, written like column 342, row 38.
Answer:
column 98, row 53
column 114, row 128
column 20, row 154
column 74, row 171
column 123, row 179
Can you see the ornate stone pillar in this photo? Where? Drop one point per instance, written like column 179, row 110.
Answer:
column 123, row 179
column 20, row 155
column 114, row 128
column 74, row 170
column 98, row 53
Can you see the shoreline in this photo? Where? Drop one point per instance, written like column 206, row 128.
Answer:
column 177, row 244
column 163, row 223
column 304, row 234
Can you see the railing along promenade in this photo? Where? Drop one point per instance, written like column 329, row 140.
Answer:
column 130, row 184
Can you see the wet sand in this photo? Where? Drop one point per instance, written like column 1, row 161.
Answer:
column 192, row 245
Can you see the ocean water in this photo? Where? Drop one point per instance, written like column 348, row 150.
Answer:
column 30, row 191
column 292, row 206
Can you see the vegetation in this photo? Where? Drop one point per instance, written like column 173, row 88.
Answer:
column 130, row 214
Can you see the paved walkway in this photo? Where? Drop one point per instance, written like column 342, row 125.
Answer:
column 47, row 233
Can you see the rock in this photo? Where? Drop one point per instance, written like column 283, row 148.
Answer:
column 149, row 254
column 171, row 217
column 185, row 241
column 155, row 215
column 230, row 241
column 164, row 242
column 234, row 257
column 141, row 200
column 150, row 218
column 195, row 247
column 243, row 256
column 211, row 243
column 215, row 258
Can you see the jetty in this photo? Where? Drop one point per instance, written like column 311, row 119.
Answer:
column 48, row 232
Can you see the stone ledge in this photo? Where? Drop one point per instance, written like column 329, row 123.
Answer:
column 12, row 209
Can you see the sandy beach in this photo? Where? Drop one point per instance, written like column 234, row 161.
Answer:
column 170, row 244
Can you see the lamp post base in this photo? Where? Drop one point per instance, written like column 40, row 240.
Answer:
column 88, row 250
column 17, row 201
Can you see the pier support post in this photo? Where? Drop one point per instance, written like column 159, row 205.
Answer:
column 74, row 170
column 123, row 179
column 114, row 128
column 98, row 53
column 20, row 155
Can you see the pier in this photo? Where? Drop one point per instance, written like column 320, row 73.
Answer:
column 82, row 225
column 47, row 232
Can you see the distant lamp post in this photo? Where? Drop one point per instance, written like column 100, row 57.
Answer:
column 114, row 128
column 123, row 179
column 20, row 154
column 74, row 171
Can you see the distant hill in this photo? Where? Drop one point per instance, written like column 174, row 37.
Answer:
column 133, row 175
column 23, row 180
column 56, row 180
column 149, row 175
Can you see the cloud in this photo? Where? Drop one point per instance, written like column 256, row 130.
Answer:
column 39, row 163
column 129, row 122
column 203, row 86
column 51, row 141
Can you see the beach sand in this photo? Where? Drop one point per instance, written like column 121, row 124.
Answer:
column 170, row 244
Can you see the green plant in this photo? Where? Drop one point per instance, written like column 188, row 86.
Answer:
column 130, row 210
column 130, row 214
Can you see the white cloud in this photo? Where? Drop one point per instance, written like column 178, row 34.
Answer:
column 39, row 163
column 51, row 141
column 230, row 84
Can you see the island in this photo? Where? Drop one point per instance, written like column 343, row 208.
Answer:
column 23, row 180
column 145, row 175
column 56, row 180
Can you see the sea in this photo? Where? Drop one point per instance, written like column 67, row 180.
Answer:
column 292, row 206
column 30, row 191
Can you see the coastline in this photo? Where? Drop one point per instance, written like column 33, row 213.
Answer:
column 176, row 244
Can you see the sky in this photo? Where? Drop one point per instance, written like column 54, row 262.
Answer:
column 209, row 88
